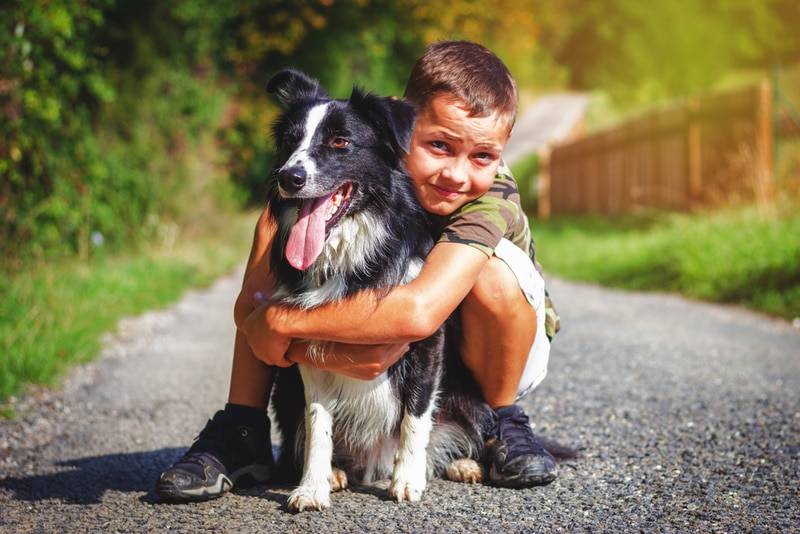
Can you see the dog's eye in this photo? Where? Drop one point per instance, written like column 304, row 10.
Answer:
column 339, row 142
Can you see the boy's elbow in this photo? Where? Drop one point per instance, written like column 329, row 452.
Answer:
column 423, row 321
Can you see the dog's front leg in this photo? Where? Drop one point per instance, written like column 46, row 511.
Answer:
column 410, row 467
column 314, row 490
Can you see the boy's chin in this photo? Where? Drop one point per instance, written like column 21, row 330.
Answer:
column 442, row 208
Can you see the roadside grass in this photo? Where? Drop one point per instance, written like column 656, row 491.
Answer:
column 53, row 315
column 746, row 255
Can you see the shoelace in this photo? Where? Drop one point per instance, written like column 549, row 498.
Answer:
column 516, row 433
column 213, row 430
column 213, row 433
column 200, row 459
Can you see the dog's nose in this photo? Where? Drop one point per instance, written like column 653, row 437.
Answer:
column 292, row 179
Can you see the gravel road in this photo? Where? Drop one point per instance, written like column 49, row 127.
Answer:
column 687, row 416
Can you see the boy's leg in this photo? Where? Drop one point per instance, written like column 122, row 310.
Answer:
column 235, row 447
column 503, row 343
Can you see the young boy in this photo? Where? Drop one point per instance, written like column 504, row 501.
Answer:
column 483, row 265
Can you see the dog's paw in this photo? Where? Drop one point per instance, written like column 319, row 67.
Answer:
column 465, row 470
column 305, row 498
column 338, row 479
column 407, row 490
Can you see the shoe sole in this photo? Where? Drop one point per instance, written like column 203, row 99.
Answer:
column 522, row 480
column 248, row 476
column 169, row 492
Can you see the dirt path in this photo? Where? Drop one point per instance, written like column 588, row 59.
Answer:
column 688, row 416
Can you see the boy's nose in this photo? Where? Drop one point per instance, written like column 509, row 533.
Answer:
column 456, row 172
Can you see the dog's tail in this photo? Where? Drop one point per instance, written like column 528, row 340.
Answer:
column 560, row 452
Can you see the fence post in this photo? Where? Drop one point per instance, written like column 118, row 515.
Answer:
column 764, row 144
column 694, row 146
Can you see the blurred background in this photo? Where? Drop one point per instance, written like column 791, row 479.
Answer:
column 134, row 143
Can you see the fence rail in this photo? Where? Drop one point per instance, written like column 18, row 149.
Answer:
column 708, row 151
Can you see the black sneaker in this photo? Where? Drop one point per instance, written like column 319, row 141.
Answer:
column 515, row 457
column 223, row 455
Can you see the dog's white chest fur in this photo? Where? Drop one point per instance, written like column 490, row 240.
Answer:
column 359, row 419
column 364, row 412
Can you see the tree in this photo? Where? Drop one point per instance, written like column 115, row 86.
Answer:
column 647, row 51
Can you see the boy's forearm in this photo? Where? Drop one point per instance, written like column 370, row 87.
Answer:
column 408, row 313
column 363, row 319
column 364, row 362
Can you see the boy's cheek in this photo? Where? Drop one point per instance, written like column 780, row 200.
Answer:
column 482, row 183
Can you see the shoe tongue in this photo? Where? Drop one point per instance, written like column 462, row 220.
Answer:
column 307, row 236
column 512, row 411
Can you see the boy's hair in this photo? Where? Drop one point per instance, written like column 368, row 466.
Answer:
column 468, row 71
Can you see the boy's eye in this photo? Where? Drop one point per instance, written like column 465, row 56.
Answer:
column 339, row 142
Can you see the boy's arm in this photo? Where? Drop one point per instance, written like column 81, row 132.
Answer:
column 364, row 362
column 408, row 313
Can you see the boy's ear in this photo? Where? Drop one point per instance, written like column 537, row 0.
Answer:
column 292, row 87
column 393, row 119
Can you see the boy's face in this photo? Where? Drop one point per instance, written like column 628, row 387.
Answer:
column 453, row 157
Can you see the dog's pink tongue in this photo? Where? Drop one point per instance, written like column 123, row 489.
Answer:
column 307, row 236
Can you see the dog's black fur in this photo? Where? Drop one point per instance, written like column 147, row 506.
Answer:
column 378, row 239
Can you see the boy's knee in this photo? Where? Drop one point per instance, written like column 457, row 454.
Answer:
column 496, row 289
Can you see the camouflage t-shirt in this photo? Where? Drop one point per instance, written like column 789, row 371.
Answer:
column 495, row 215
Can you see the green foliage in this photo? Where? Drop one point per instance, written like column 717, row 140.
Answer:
column 103, row 105
column 526, row 172
column 740, row 256
column 644, row 52
column 50, row 86
column 52, row 316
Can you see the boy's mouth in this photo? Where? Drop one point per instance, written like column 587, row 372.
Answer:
column 445, row 192
column 317, row 216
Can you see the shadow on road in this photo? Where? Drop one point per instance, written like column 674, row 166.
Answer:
column 85, row 480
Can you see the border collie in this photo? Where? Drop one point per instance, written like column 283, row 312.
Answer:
column 348, row 221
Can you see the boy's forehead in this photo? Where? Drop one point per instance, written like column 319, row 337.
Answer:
column 450, row 112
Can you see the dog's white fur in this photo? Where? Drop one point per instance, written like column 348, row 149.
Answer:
column 331, row 397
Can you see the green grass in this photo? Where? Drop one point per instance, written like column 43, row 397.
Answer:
column 741, row 256
column 53, row 316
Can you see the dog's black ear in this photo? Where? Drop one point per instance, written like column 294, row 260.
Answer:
column 292, row 87
column 392, row 118
column 404, row 117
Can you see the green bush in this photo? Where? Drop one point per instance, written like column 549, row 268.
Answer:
column 526, row 173
column 52, row 83
column 105, row 106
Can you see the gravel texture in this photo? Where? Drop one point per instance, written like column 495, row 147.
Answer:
column 687, row 416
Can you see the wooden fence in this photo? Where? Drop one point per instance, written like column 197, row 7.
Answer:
column 709, row 151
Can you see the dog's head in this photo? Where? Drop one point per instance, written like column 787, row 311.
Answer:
column 333, row 158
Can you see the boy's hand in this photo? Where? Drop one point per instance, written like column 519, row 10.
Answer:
column 267, row 346
column 363, row 362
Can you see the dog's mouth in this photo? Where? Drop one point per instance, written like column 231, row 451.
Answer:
column 316, row 218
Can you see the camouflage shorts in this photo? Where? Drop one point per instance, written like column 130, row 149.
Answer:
column 552, row 322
